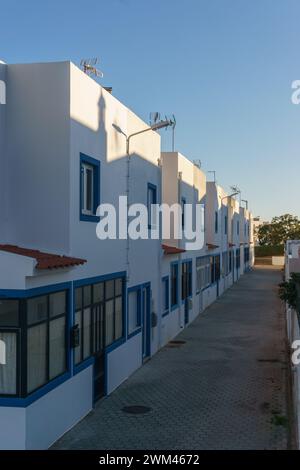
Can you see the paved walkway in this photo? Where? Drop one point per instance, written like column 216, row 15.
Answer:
column 225, row 388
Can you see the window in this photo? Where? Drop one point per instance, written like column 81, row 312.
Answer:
column 89, row 188
column 238, row 227
column 151, row 199
column 46, row 338
column 217, row 267
column 202, row 273
column 226, row 225
column 238, row 258
column 134, row 310
column 99, row 316
column 165, row 294
column 174, row 285
column 39, row 325
column 230, row 261
column 216, row 222
column 186, row 280
column 225, row 266
column 183, row 203
column 8, row 362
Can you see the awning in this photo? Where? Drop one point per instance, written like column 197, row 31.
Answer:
column 172, row 250
column 44, row 260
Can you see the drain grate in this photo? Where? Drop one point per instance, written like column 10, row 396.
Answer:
column 175, row 343
column 136, row 409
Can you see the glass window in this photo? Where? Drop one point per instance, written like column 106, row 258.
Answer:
column 98, row 292
column 165, row 293
column 151, row 199
column 87, row 321
column 9, row 312
column 174, row 285
column 109, row 289
column 133, row 311
column 119, row 286
column 109, row 322
column 77, row 351
column 8, row 363
column 57, row 304
column 37, row 309
column 118, row 318
column 87, row 296
column 78, row 298
column 36, row 356
column 57, row 347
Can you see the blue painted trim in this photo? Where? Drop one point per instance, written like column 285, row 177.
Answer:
column 83, row 365
column 24, row 402
column 96, row 187
column 134, row 333
column 36, row 291
column 153, row 187
column 96, row 279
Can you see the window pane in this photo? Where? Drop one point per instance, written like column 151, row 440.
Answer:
column 77, row 350
column 86, row 333
column 78, row 298
column 98, row 292
column 109, row 289
column 87, row 296
column 119, row 318
column 36, row 309
column 57, row 347
column 89, row 188
column 109, row 322
column 8, row 363
column 132, row 311
column 57, row 303
column 36, row 356
column 9, row 312
column 118, row 286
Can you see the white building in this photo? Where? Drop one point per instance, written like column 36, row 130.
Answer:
column 79, row 315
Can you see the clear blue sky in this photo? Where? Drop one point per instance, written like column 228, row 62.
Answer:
column 223, row 67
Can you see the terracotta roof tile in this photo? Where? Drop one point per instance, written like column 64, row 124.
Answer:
column 44, row 260
column 172, row 250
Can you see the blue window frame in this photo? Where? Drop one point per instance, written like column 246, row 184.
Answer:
column 186, row 279
column 134, row 309
column 89, row 188
column 166, row 295
column 238, row 227
column 174, row 285
column 151, row 199
column 226, row 223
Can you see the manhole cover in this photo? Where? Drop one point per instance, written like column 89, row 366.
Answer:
column 136, row 409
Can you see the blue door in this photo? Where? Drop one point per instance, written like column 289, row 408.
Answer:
column 146, row 320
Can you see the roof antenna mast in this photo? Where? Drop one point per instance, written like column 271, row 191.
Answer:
column 89, row 67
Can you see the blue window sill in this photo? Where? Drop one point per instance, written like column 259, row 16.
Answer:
column 134, row 333
column 89, row 218
column 165, row 313
column 83, row 365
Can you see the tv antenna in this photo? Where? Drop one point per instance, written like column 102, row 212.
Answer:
column 89, row 67
column 198, row 163
column 154, row 117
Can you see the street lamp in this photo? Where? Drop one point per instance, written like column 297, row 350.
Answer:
column 155, row 127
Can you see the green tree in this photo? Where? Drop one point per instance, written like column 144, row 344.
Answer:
column 285, row 227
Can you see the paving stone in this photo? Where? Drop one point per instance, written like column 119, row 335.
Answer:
column 219, row 390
